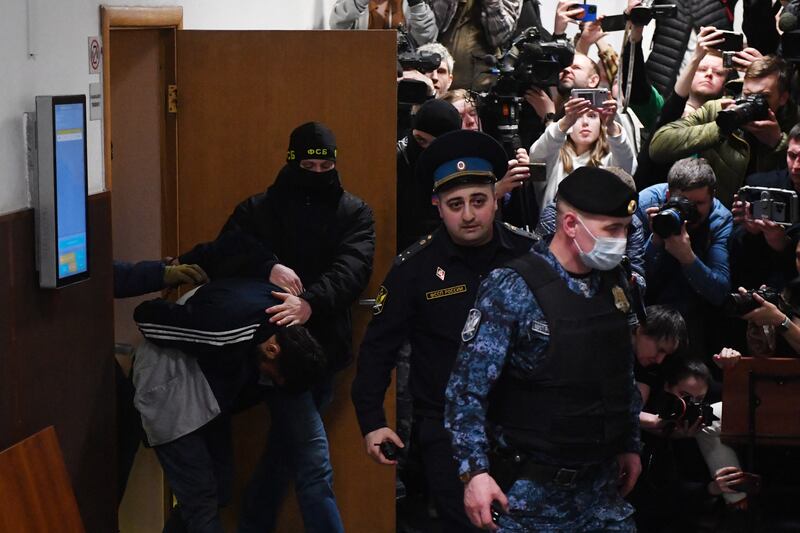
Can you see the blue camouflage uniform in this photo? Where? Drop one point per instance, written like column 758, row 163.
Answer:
column 513, row 330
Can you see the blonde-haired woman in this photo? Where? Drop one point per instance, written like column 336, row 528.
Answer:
column 585, row 136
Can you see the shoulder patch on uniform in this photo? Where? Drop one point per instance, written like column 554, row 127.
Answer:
column 521, row 232
column 540, row 327
column 412, row 250
column 380, row 300
column 471, row 325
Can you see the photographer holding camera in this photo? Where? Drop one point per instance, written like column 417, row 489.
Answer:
column 585, row 136
column 736, row 137
column 773, row 328
column 686, row 255
column 674, row 488
column 675, row 35
column 701, row 80
column 761, row 250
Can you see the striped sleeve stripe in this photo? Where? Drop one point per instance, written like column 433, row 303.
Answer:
column 200, row 341
column 217, row 338
column 227, row 339
column 166, row 327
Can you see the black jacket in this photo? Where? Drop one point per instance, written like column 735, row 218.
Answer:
column 219, row 325
column 425, row 299
column 672, row 36
column 326, row 236
column 416, row 215
column 753, row 262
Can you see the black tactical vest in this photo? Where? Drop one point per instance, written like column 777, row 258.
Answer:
column 576, row 409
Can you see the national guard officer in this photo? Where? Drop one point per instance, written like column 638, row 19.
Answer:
column 425, row 299
column 541, row 405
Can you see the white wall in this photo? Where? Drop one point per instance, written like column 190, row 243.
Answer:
column 58, row 37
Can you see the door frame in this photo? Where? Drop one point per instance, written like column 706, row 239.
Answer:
column 170, row 19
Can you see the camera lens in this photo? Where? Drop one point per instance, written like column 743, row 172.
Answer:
column 667, row 222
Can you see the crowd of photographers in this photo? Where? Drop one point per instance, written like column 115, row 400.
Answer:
column 705, row 122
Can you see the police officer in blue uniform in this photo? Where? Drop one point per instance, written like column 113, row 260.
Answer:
column 541, row 405
column 425, row 299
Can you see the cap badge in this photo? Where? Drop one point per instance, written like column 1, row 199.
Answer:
column 461, row 165
column 440, row 273
column 631, row 207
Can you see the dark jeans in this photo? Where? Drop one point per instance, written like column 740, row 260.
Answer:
column 441, row 473
column 199, row 469
column 297, row 449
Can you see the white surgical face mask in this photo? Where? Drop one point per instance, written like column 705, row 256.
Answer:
column 606, row 254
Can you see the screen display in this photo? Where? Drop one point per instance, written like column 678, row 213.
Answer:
column 70, row 165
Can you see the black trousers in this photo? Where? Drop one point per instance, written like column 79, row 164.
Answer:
column 441, row 473
column 199, row 469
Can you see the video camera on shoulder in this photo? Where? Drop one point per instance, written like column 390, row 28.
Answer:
column 671, row 216
column 411, row 92
column 410, row 58
column 530, row 62
column 744, row 110
column 677, row 409
column 778, row 205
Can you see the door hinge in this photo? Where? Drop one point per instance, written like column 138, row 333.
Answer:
column 172, row 99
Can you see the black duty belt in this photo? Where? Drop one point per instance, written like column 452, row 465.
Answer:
column 560, row 476
column 510, row 467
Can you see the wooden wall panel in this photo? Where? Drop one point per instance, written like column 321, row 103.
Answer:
column 240, row 94
column 56, row 357
column 35, row 490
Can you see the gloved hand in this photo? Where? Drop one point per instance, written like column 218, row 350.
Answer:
column 175, row 275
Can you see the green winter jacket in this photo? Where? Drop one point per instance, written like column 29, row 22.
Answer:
column 698, row 134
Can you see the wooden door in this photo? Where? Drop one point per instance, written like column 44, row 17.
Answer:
column 240, row 94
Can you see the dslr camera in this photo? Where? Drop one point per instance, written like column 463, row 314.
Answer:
column 778, row 205
column 671, row 216
column 685, row 409
column 737, row 304
column 744, row 110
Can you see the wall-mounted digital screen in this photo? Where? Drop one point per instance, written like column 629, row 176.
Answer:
column 70, row 188
column 62, row 226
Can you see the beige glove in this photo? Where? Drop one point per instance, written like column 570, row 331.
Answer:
column 175, row 275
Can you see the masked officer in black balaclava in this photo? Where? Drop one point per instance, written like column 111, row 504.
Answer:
column 323, row 239
column 416, row 215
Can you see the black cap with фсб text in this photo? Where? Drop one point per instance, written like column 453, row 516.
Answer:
column 312, row 140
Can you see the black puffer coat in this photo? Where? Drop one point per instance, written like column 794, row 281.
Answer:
column 672, row 36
